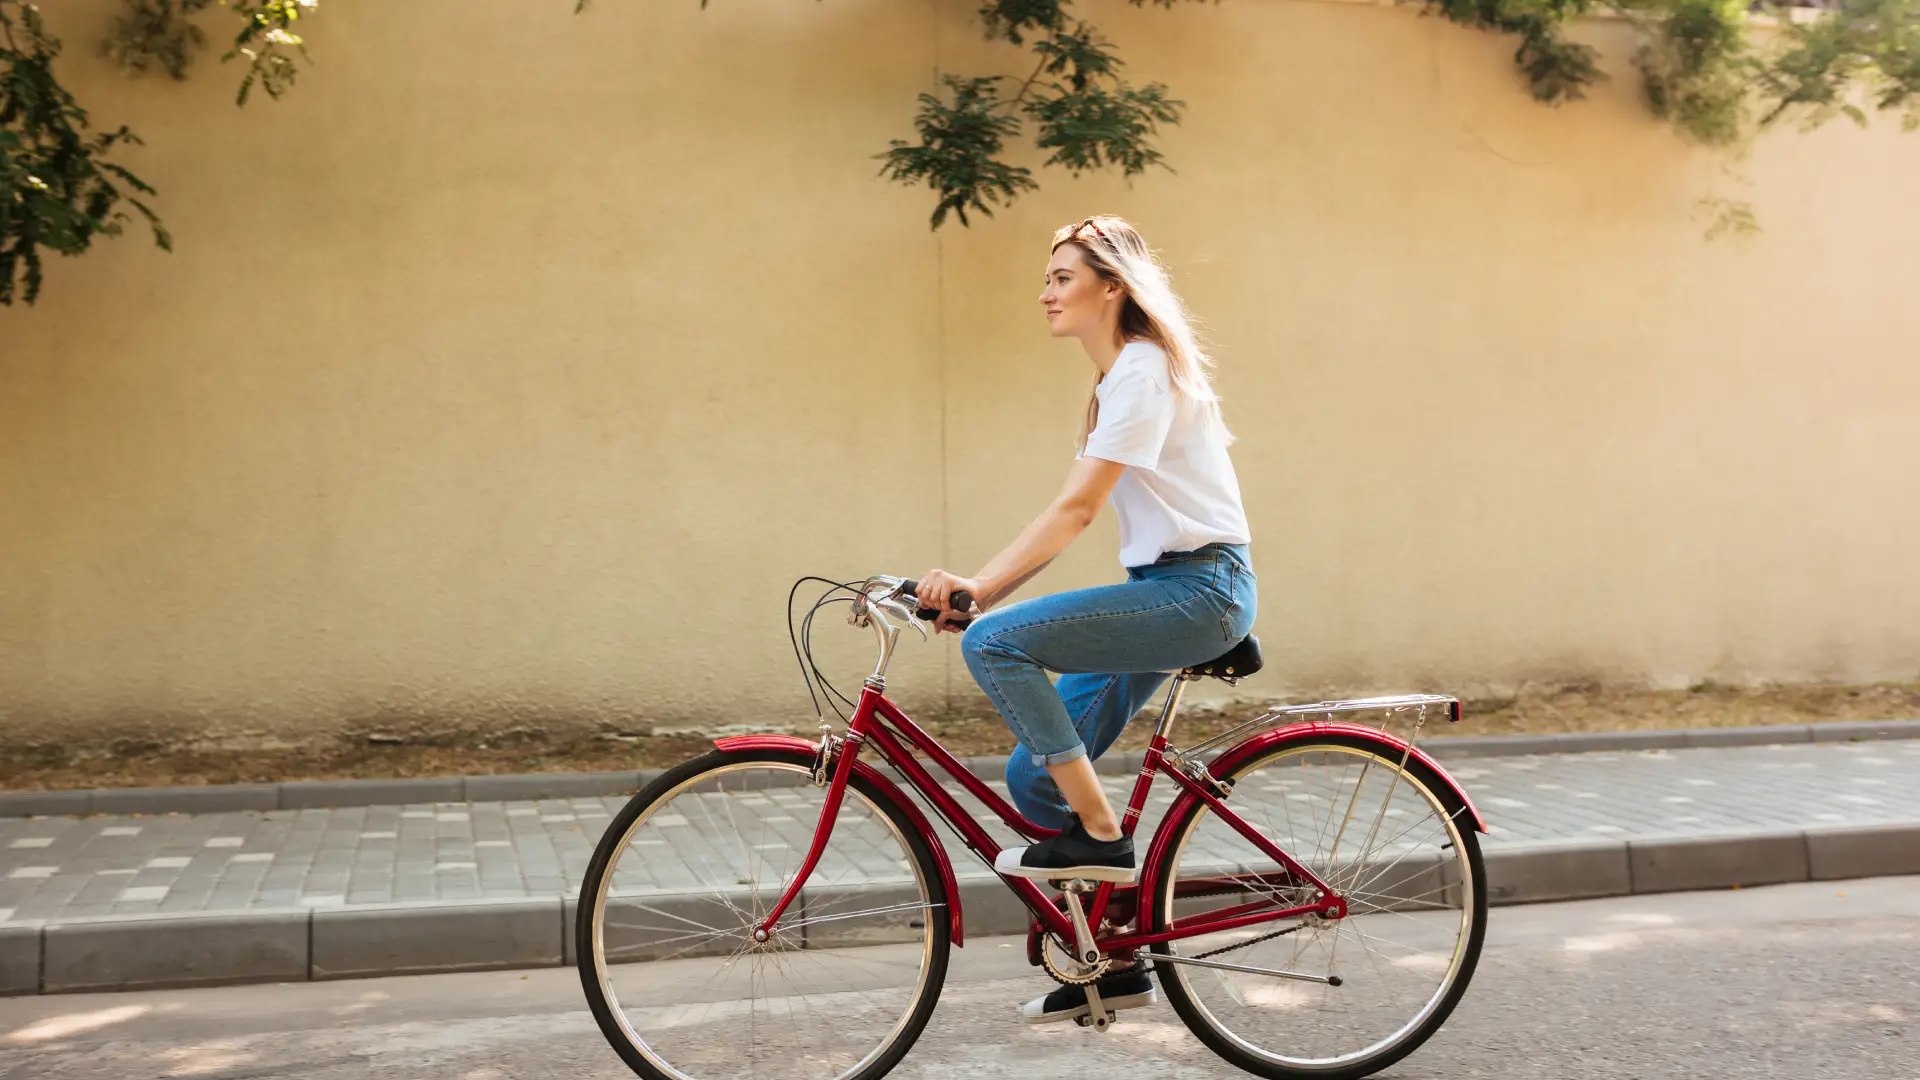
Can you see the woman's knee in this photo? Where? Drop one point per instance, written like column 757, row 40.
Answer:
column 979, row 641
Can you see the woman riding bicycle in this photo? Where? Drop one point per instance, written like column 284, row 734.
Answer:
column 1153, row 444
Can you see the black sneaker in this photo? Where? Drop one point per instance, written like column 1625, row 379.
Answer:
column 1071, row 854
column 1129, row 989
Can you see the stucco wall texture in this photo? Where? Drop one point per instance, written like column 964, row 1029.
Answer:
column 509, row 371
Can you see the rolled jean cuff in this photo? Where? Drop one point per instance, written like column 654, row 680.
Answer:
column 1075, row 753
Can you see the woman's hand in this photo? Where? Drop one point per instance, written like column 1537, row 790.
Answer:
column 936, row 591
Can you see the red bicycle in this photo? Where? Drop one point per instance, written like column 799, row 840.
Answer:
column 1312, row 902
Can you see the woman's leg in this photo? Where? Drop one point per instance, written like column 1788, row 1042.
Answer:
column 1167, row 618
column 1101, row 706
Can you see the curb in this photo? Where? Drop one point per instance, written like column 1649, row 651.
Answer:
column 305, row 794
column 147, row 952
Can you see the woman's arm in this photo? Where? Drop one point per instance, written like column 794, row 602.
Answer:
column 1088, row 484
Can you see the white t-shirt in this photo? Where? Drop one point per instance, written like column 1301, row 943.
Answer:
column 1179, row 491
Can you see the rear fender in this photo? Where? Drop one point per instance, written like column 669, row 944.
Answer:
column 1232, row 758
column 887, row 787
column 1392, row 746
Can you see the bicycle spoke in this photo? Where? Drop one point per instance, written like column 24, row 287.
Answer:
column 1365, row 824
column 810, row 920
column 846, row 969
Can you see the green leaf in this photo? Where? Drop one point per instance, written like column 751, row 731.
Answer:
column 956, row 154
column 137, row 183
column 162, row 239
column 57, row 183
column 1014, row 20
column 1097, row 127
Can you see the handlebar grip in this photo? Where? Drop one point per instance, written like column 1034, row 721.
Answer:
column 961, row 599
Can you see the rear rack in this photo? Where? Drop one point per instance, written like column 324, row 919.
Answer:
column 1415, row 709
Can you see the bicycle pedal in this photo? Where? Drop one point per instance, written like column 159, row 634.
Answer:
column 1102, row 1024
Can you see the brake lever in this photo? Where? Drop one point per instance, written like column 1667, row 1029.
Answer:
column 919, row 627
column 894, row 604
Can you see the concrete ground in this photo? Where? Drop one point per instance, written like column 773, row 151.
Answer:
column 1808, row 980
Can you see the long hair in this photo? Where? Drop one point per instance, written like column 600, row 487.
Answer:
column 1151, row 311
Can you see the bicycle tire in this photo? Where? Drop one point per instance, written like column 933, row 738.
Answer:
column 1173, row 978
column 593, row 966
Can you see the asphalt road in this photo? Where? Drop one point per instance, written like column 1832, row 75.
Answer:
column 1813, row 980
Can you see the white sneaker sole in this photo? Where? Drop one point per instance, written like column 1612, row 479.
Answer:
column 1030, row 1012
column 1008, row 863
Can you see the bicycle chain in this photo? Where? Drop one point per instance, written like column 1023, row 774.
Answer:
column 1244, row 944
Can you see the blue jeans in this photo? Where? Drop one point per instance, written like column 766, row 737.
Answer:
column 1114, row 646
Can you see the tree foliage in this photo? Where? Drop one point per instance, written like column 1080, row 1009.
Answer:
column 1700, row 70
column 162, row 33
column 59, row 187
column 153, row 34
column 1084, row 114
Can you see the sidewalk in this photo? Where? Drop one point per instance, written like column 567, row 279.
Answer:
column 123, row 901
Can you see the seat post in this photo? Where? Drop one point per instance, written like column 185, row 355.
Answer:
column 1165, row 725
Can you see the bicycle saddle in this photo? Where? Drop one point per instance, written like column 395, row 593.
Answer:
column 1236, row 663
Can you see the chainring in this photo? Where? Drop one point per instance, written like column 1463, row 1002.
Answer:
column 1057, row 968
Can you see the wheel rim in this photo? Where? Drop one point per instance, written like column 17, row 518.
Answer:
column 1381, row 839
column 691, row 877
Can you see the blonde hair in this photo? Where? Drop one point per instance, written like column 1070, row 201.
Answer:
column 1151, row 311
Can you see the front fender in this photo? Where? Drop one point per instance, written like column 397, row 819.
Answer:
column 887, row 787
column 1232, row 757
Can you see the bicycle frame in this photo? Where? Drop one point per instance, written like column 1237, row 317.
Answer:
column 879, row 722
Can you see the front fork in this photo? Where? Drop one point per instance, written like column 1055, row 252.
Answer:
column 841, row 766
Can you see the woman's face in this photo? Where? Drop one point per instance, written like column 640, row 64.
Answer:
column 1075, row 298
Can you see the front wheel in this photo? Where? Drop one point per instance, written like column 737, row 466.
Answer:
column 684, row 875
column 1393, row 838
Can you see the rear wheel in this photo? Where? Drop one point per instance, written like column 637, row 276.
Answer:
column 683, row 877
column 1392, row 838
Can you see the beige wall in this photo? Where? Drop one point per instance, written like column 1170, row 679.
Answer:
column 510, row 370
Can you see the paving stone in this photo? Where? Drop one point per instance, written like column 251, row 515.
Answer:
column 1750, row 736
column 1558, row 871
column 1449, row 748
column 31, row 803
column 325, row 793
column 413, row 938
column 549, row 785
column 184, row 800
column 1863, row 851
column 19, row 958
column 1866, row 729
column 570, row 929
column 988, row 907
column 1717, row 862
column 124, row 953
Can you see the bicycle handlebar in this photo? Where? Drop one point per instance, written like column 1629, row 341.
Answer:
column 961, row 600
